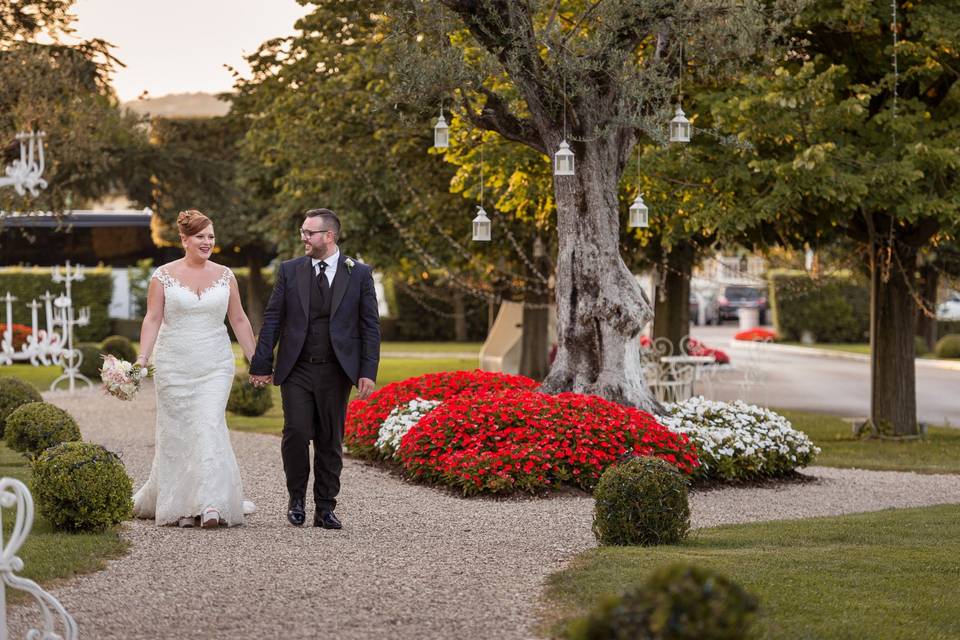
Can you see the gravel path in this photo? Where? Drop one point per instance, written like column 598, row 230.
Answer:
column 411, row 562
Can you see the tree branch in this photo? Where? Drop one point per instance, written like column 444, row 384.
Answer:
column 496, row 116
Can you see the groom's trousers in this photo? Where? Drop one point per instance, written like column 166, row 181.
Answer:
column 314, row 410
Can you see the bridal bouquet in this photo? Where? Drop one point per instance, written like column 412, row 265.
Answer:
column 122, row 379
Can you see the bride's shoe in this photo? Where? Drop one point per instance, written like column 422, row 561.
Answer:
column 210, row 518
column 187, row 522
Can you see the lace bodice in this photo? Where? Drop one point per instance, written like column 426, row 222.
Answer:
column 185, row 309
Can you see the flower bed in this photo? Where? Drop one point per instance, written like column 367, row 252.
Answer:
column 522, row 440
column 365, row 417
column 737, row 441
column 757, row 334
column 19, row 334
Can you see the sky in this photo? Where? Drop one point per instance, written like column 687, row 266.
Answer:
column 181, row 46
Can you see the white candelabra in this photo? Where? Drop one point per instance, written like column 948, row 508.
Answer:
column 26, row 173
column 63, row 314
column 14, row 495
column 54, row 344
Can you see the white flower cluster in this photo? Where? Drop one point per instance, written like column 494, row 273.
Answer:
column 400, row 421
column 739, row 441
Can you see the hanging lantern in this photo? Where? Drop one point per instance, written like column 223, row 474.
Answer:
column 639, row 214
column 481, row 226
column 563, row 161
column 680, row 127
column 441, row 134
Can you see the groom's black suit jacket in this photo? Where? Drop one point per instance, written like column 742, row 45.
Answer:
column 354, row 320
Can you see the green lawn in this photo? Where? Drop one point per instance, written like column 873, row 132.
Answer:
column 861, row 348
column 939, row 453
column 886, row 575
column 849, row 348
column 48, row 555
column 432, row 347
column 39, row 377
column 391, row 370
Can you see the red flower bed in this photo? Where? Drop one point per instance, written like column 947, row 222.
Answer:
column 522, row 440
column 364, row 417
column 757, row 333
column 20, row 333
column 696, row 348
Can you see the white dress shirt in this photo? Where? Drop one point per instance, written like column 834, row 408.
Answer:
column 331, row 269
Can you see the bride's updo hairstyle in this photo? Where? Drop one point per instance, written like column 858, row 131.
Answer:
column 191, row 222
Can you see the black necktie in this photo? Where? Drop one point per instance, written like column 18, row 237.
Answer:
column 322, row 277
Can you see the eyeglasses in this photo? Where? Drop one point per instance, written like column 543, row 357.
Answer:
column 306, row 233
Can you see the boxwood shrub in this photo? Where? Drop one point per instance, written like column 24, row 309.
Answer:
column 36, row 426
column 81, row 486
column 14, row 393
column 641, row 502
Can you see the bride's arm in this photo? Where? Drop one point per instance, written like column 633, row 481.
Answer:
column 151, row 320
column 240, row 323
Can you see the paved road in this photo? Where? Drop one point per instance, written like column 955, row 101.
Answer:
column 832, row 385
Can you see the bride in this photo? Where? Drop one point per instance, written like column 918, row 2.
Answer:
column 194, row 477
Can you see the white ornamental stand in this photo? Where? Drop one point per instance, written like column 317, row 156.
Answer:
column 15, row 495
column 26, row 174
column 70, row 358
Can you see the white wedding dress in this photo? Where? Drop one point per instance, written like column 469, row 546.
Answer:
column 193, row 466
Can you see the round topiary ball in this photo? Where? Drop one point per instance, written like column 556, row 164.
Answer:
column 948, row 346
column 119, row 347
column 641, row 502
column 248, row 400
column 14, row 393
column 678, row 602
column 92, row 360
column 81, row 486
column 37, row 425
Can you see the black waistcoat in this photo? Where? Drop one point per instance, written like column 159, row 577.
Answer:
column 318, row 344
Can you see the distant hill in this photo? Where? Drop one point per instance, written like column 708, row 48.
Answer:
column 181, row 105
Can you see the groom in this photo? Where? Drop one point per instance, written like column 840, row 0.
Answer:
column 323, row 310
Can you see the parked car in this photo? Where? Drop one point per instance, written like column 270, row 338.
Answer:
column 711, row 311
column 736, row 297
column 949, row 309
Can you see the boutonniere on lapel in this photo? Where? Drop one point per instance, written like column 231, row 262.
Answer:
column 349, row 264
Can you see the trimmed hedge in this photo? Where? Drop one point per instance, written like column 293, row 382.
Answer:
column 92, row 360
column 94, row 291
column 677, row 602
column 834, row 308
column 37, row 426
column 14, row 393
column 80, row 486
column 948, row 346
column 120, row 347
column 248, row 400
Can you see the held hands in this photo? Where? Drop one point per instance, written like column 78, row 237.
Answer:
column 364, row 388
column 261, row 381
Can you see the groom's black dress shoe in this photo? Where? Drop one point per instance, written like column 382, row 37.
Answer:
column 326, row 519
column 296, row 512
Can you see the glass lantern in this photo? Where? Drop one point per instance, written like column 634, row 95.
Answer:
column 481, row 226
column 441, row 134
column 680, row 127
column 639, row 214
column 563, row 161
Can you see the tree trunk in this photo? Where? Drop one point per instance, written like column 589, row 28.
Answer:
column 535, row 348
column 255, row 289
column 893, row 404
column 600, row 306
column 671, row 311
column 927, row 324
column 459, row 317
